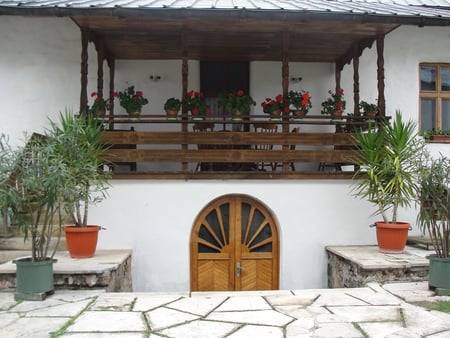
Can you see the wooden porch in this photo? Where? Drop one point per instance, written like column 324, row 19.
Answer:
column 170, row 149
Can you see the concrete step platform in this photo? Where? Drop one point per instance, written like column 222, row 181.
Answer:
column 109, row 270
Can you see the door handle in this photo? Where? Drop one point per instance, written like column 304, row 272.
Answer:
column 238, row 269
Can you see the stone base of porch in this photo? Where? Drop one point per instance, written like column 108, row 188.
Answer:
column 355, row 266
column 108, row 269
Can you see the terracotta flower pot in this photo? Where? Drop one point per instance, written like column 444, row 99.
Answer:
column 299, row 113
column 336, row 113
column 275, row 114
column 392, row 237
column 237, row 116
column 82, row 241
column 171, row 114
column 99, row 113
column 370, row 114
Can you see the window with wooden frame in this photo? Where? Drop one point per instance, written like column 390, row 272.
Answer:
column 434, row 96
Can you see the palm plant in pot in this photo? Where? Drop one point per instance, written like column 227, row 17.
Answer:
column 79, row 140
column 38, row 182
column 434, row 218
column 386, row 162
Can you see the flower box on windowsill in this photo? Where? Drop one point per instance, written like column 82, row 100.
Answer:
column 439, row 139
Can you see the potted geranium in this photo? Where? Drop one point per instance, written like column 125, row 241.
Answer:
column 236, row 102
column 274, row 106
column 172, row 106
column 37, row 185
column 100, row 105
column 194, row 101
column 132, row 101
column 386, row 159
column 434, row 218
column 335, row 104
column 368, row 109
column 301, row 101
column 81, row 150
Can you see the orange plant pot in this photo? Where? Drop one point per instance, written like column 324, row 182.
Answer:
column 392, row 237
column 82, row 241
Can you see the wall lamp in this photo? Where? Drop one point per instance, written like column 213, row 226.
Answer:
column 296, row 79
column 155, row 77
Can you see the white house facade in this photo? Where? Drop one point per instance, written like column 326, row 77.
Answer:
column 40, row 77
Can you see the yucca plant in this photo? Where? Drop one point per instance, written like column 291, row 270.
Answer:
column 386, row 162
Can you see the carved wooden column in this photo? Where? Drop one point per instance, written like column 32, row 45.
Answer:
column 99, row 46
column 285, row 73
column 285, row 87
column 339, row 66
column 184, row 70
column 337, row 75
column 112, row 71
column 185, row 84
column 356, row 80
column 84, row 70
column 380, row 75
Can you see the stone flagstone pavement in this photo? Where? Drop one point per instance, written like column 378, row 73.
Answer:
column 372, row 311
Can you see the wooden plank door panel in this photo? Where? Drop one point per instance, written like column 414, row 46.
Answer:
column 257, row 275
column 213, row 275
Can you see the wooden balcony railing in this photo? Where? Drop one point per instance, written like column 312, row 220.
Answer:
column 154, row 151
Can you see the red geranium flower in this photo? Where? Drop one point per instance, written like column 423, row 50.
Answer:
column 236, row 101
column 194, row 101
column 269, row 105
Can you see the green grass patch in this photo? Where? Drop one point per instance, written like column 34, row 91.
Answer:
column 442, row 306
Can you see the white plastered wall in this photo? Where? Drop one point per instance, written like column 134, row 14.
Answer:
column 40, row 71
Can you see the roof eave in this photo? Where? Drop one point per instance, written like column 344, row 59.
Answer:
column 237, row 13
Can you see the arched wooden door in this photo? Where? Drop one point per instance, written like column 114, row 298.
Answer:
column 234, row 246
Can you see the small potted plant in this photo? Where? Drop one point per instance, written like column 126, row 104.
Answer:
column 434, row 218
column 172, row 106
column 194, row 102
column 369, row 110
column 386, row 159
column 237, row 103
column 100, row 105
column 132, row 101
column 301, row 101
column 273, row 107
column 37, row 184
column 80, row 149
column 335, row 104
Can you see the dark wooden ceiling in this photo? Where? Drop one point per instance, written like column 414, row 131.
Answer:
column 230, row 38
